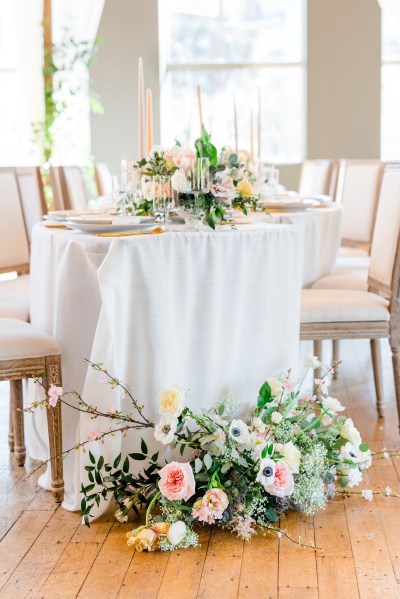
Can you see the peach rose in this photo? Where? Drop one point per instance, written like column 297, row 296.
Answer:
column 177, row 481
column 224, row 189
column 184, row 154
column 283, row 481
column 144, row 540
column 211, row 507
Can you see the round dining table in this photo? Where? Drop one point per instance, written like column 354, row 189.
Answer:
column 215, row 312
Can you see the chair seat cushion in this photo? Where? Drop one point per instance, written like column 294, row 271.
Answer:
column 334, row 305
column 352, row 252
column 344, row 279
column 14, row 298
column 20, row 339
column 352, row 263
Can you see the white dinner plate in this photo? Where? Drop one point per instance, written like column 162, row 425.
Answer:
column 86, row 227
column 289, row 204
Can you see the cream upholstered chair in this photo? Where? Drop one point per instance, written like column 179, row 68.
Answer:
column 57, row 187
column 103, row 178
column 14, row 249
column 27, row 352
column 32, row 196
column 316, row 177
column 358, row 189
column 373, row 314
column 73, row 188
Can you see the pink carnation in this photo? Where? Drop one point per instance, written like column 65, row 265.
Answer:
column 283, row 484
column 225, row 190
column 54, row 393
column 177, row 481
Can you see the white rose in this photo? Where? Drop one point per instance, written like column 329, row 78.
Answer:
column 258, row 425
column 332, row 404
column 312, row 362
column 176, row 532
column 165, row 429
column 276, row 417
column 350, row 433
column 353, row 453
column 171, row 401
column 291, row 455
column 239, row 432
column 266, row 472
column 180, row 182
column 275, row 386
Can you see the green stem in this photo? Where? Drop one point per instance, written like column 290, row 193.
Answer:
column 150, row 508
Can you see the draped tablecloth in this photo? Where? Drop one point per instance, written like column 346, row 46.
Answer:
column 214, row 312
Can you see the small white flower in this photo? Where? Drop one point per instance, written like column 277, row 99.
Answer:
column 386, row 455
column 276, row 417
column 332, row 404
column 322, row 385
column 257, row 444
column 312, row 362
column 387, row 491
column 165, row 429
column 176, row 532
column 353, row 475
column 367, row 494
column 326, row 420
column 258, row 425
column 266, row 472
column 350, row 433
column 239, row 432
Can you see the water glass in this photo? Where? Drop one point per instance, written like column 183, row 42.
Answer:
column 163, row 201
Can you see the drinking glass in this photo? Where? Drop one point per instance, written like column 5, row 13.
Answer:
column 196, row 183
column 162, row 197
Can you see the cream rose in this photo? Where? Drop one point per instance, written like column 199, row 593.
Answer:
column 350, row 433
column 245, row 188
column 171, row 401
column 292, row 456
column 332, row 404
column 275, row 386
column 176, row 532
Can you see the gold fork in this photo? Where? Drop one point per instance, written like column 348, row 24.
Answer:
column 155, row 231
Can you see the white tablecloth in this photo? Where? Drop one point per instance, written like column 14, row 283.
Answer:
column 212, row 312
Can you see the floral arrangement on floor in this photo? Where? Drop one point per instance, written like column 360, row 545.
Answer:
column 230, row 185
column 241, row 472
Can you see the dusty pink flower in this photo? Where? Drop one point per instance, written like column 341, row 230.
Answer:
column 94, row 435
column 54, row 393
column 184, row 154
column 288, row 386
column 283, row 481
column 225, row 190
column 177, row 481
column 211, row 506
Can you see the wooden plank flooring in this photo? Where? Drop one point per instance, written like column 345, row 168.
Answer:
column 45, row 553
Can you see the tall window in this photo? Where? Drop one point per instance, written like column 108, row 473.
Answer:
column 390, row 115
column 248, row 53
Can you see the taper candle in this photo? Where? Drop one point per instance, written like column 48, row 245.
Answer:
column 200, row 109
column 149, row 120
column 251, row 156
column 259, row 125
column 235, row 126
column 140, row 108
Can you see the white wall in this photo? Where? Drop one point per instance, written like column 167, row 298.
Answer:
column 343, row 106
column 129, row 28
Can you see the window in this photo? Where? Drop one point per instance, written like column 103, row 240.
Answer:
column 250, row 51
column 390, row 111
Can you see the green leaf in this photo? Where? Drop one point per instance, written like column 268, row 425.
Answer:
column 221, row 409
column 143, row 446
column 264, row 395
column 270, row 449
column 364, row 447
column 100, row 463
column 154, row 457
column 125, row 466
column 198, row 465
column 271, row 514
column 117, row 460
column 137, row 456
column 225, row 468
column 92, row 458
column 264, row 452
column 98, row 478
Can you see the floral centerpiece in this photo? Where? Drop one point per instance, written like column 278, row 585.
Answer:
column 238, row 470
column 229, row 184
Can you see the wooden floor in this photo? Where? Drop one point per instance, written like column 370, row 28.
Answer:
column 46, row 553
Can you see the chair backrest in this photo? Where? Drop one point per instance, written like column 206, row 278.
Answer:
column 32, row 196
column 57, row 187
column 315, row 178
column 14, row 245
column 74, row 188
column 386, row 236
column 103, row 178
column 358, row 189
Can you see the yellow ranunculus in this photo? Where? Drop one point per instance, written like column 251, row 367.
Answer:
column 245, row 188
column 171, row 401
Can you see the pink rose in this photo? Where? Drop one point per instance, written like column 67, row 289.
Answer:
column 283, row 481
column 225, row 189
column 177, row 481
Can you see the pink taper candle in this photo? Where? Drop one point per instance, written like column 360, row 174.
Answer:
column 200, row 109
column 149, row 120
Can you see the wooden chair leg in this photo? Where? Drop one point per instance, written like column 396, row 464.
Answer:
column 396, row 372
column 377, row 367
column 54, row 425
column 11, row 432
column 336, row 355
column 318, row 353
column 17, row 415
